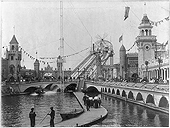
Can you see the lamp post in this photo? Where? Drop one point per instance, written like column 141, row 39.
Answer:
column 159, row 71
column 146, row 63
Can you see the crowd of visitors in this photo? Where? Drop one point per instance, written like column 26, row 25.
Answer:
column 91, row 102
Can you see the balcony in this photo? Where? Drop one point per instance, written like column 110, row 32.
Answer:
column 145, row 38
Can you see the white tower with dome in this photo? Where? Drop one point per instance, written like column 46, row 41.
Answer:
column 146, row 43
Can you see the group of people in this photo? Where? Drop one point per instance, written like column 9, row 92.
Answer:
column 90, row 102
column 32, row 116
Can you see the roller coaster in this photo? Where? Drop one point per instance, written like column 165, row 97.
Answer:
column 91, row 66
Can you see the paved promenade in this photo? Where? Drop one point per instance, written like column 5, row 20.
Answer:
column 87, row 118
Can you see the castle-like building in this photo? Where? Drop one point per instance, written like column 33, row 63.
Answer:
column 13, row 71
column 152, row 59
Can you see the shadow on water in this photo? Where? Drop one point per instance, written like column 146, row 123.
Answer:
column 15, row 109
column 150, row 114
column 164, row 120
column 126, row 114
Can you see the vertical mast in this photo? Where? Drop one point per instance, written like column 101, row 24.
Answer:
column 61, row 30
column 61, row 40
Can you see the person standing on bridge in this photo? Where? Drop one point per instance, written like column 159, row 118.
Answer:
column 52, row 115
column 32, row 116
column 85, row 99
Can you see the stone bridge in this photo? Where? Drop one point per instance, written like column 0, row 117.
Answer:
column 155, row 96
column 30, row 87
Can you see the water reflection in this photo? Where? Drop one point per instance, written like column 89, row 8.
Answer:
column 15, row 109
column 125, row 114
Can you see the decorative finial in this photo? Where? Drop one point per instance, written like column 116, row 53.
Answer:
column 36, row 55
column 145, row 8
column 14, row 29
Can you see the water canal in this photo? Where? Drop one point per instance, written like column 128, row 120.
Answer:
column 15, row 111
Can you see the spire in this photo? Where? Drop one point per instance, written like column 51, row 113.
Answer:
column 145, row 19
column 14, row 40
column 122, row 48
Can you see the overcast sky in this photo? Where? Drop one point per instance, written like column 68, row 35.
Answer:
column 37, row 26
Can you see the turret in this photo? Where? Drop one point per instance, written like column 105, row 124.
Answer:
column 14, row 58
column 37, row 68
column 146, row 43
column 122, row 52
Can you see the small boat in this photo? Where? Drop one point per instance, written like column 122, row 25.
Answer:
column 72, row 114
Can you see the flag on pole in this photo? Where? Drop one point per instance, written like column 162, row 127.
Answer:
column 166, row 43
column 121, row 38
column 126, row 12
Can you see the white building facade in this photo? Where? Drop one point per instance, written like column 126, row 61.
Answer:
column 153, row 57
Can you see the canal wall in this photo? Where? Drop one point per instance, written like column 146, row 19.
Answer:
column 154, row 96
column 138, row 103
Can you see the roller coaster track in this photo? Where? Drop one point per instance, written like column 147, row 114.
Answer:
column 83, row 65
column 104, row 59
column 89, row 65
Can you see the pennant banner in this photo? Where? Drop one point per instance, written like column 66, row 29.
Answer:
column 47, row 62
column 121, row 38
column 159, row 22
column 126, row 12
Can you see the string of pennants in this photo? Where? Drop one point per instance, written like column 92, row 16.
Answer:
column 66, row 55
column 45, row 62
column 131, row 46
column 159, row 22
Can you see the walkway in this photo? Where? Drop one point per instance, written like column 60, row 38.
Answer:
column 87, row 118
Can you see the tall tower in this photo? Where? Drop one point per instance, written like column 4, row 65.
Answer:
column 60, row 65
column 146, row 43
column 122, row 53
column 37, row 68
column 14, row 58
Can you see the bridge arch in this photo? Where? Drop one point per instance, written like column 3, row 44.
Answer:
column 71, row 87
column 113, row 91
column 163, row 102
column 109, row 90
column 117, row 92
column 31, row 89
column 105, row 89
column 48, row 87
column 150, row 99
column 130, row 95
column 53, row 87
column 139, row 97
column 124, row 93
column 92, row 89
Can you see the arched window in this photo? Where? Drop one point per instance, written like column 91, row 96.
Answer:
column 146, row 32
column 165, row 74
column 12, row 47
column 12, row 69
column 12, row 58
column 142, row 33
column 150, row 33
